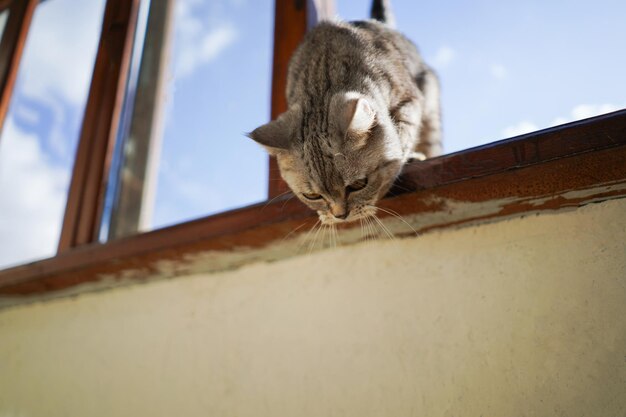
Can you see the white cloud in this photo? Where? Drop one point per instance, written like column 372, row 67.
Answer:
column 33, row 198
column 59, row 54
column 197, row 42
column 203, row 49
column 498, row 71
column 443, row 57
column 519, row 129
column 582, row 111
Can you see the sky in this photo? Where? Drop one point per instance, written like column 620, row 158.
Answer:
column 505, row 68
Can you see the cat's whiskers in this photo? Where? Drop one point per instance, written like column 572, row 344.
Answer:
column 399, row 187
column 331, row 229
column 364, row 229
column 286, row 201
column 275, row 198
column 322, row 236
column 324, row 233
column 307, row 236
column 399, row 217
column 312, row 245
column 383, row 227
column 362, row 233
column 370, row 227
column 293, row 231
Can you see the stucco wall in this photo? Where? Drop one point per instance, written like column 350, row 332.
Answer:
column 525, row 317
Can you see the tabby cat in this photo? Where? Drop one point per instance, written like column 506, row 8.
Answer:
column 361, row 103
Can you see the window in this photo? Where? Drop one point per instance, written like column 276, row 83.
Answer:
column 40, row 132
column 203, row 79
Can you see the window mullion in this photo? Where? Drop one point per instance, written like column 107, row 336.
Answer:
column 291, row 21
column 11, row 47
column 85, row 201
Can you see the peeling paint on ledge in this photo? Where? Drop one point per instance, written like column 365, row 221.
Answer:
column 446, row 213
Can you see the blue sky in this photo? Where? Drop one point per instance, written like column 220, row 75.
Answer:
column 220, row 89
column 505, row 68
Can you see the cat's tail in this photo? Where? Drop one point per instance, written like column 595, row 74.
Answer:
column 381, row 11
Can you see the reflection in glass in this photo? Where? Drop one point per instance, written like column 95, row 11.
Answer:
column 204, row 80
column 4, row 15
column 40, row 133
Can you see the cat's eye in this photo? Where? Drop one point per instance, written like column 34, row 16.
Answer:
column 357, row 185
column 312, row 196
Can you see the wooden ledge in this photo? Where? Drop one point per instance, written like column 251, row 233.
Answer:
column 562, row 167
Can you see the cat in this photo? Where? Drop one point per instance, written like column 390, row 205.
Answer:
column 361, row 103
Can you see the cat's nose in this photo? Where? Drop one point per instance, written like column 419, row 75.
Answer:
column 342, row 216
column 340, row 213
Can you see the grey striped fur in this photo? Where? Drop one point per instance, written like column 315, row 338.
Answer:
column 361, row 103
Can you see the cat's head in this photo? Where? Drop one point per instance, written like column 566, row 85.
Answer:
column 339, row 163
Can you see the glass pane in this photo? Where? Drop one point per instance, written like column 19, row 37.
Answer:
column 509, row 67
column 204, row 81
column 40, row 132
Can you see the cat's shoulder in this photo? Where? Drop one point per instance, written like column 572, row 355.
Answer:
column 358, row 37
column 348, row 28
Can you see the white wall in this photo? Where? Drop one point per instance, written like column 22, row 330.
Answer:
column 525, row 317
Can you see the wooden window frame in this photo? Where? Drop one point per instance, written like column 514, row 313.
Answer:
column 556, row 168
column 11, row 47
column 85, row 201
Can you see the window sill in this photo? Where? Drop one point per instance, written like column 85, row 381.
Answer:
column 557, row 168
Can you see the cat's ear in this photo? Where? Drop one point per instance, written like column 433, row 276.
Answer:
column 356, row 118
column 275, row 135
column 360, row 115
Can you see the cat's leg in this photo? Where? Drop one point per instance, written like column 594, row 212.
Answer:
column 429, row 143
column 407, row 118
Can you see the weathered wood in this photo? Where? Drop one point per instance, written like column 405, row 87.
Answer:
column 588, row 135
column 83, row 211
column 290, row 25
column 11, row 48
column 4, row 4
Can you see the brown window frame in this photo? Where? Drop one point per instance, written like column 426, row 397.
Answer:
column 11, row 47
column 560, row 167
column 85, row 201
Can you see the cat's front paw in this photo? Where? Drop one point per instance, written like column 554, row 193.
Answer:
column 416, row 156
